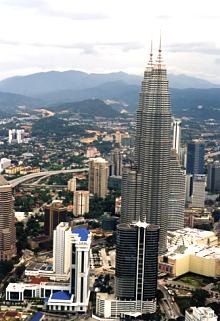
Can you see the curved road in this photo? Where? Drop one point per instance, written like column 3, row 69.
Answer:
column 22, row 179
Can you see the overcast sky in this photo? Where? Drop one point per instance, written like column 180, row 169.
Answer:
column 109, row 35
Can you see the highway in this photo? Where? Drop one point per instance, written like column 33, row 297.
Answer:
column 15, row 182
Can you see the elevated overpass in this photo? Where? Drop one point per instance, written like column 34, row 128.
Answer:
column 15, row 182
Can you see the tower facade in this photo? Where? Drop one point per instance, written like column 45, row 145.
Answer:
column 7, row 222
column 136, row 248
column 177, row 194
column 54, row 214
column 150, row 176
column 98, row 176
column 195, row 157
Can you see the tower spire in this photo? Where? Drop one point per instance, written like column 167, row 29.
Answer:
column 150, row 63
column 159, row 57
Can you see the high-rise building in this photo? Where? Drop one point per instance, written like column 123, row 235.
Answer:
column 200, row 314
column 195, row 157
column 145, row 186
column 7, row 222
column 61, row 249
column 80, row 266
column 115, row 162
column 80, row 203
column 54, row 214
column 176, row 124
column 213, row 179
column 198, row 194
column 136, row 247
column 98, row 176
column 177, row 193
column 15, row 135
column 71, row 184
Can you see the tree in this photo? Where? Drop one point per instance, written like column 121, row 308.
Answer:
column 199, row 297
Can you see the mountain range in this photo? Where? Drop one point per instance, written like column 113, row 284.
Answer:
column 49, row 89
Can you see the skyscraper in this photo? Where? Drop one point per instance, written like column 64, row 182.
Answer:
column 98, row 176
column 195, row 157
column 136, row 248
column 7, row 222
column 177, row 194
column 198, row 194
column 150, row 174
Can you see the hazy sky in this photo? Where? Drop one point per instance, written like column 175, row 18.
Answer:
column 109, row 35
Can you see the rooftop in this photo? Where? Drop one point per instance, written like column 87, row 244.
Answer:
column 82, row 232
column 3, row 181
column 61, row 296
column 37, row 316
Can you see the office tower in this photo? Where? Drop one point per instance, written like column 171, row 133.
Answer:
column 195, row 157
column 115, row 162
column 98, row 176
column 200, row 314
column 61, row 249
column 7, row 222
column 80, row 265
column 71, row 184
column 177, row 193
column 136, row 263
column 54, row 214
column 146, row 185
column 80, row 203
column 198, row 194
column 176, row 124
column 213, row 179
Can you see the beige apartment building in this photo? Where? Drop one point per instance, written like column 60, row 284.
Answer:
column 98, row 176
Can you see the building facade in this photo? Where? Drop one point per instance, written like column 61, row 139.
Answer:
column 177, row 193
column 176, row 124
column 213, row 179
column 7, row 222
column 115, row 162
column 71, row 185
column 198, row 194
column 80, row 203
column 54, row 214
column 200, row 314
column 146, row 184
column 98, row 176
column 195, row 157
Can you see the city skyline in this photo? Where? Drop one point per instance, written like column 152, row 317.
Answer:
column 46, row 28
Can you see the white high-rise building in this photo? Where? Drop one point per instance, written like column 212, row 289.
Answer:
column 15, row 135
column 80, row 265
column 176, row 124
column 198, row 195
column 61, row 249
column 80, row 203
column 200, row 314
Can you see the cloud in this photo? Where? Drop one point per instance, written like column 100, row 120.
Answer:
column 44, row 8
column 208, row 48
column 84, row 47
column 164, row 17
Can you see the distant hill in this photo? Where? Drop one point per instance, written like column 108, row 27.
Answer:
column 90, row 107
column 10, row 103
column 53, row 81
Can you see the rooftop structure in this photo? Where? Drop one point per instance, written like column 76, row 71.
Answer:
column 200, row 314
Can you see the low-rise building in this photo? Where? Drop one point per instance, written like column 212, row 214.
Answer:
column 200, row 314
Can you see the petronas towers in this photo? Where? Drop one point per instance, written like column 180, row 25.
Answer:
column 145, row 187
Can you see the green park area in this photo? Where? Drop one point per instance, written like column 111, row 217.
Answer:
column 194, row 280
